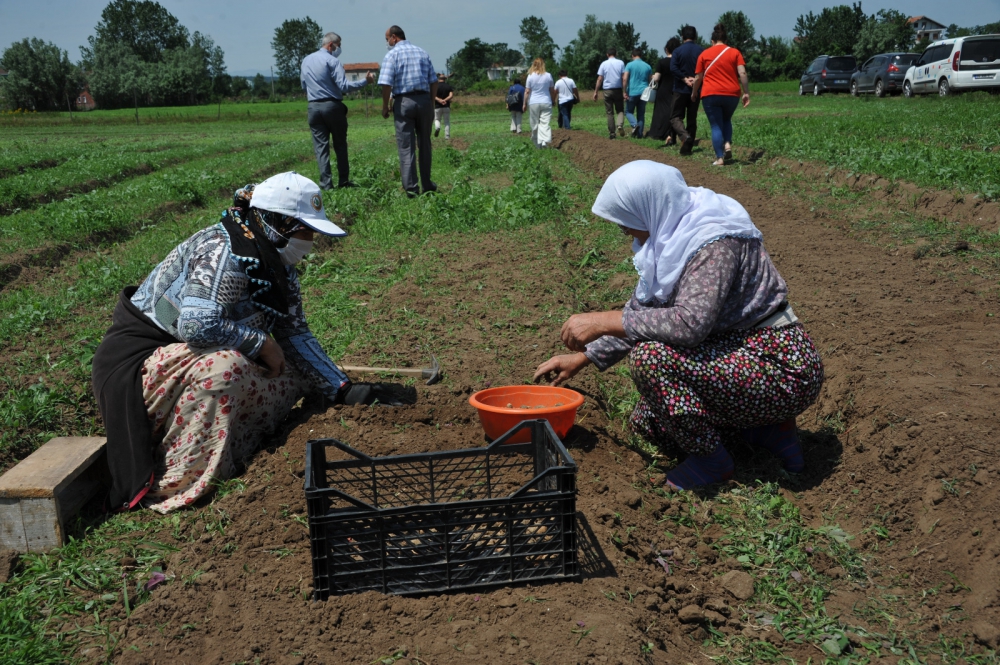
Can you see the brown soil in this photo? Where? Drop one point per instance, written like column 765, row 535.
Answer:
column 910, row 357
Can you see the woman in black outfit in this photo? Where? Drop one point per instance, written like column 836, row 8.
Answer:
column 660, row 128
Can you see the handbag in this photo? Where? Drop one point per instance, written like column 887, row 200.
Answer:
column 648, row 94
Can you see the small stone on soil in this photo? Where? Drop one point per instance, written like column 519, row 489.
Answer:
column 986, row 634
column 738, row 583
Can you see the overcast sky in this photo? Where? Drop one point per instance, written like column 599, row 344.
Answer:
column 244, row 29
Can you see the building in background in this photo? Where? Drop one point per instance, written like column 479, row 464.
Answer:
column 85, row 101
column 500, row 72
column 357, row 70
column 926, row 28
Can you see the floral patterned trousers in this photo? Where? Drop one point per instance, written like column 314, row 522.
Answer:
column 731, row 381
column 212, row 408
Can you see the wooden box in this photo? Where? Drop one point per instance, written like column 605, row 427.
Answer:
column 47, row 488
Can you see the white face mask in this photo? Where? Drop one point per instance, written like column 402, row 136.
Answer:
column 335, row 52
column 295, row 251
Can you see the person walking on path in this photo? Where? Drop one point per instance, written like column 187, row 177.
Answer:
column 539, row 97
column 634, row 82
column 515, row 104
column 721, row 77
column 568, row 96
column 609, row 79
column 407, row 75
column 325, row 82
column 660, row 128
column 683, row 61
column 442, row 107
column 713, row 347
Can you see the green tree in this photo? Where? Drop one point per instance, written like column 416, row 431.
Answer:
column 294, row 40
column 626, row 39
column 40, row 76
column 886, row 30
column 774, row 59
column 502, row 54
column 831, row 32
column 583, row 55
column 538, row 43
column 146, row 28
column 740, row 31
column 261, row 88
column 468, row 65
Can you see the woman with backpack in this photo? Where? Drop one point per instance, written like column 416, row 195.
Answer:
column 515, row 104
column 720, row 77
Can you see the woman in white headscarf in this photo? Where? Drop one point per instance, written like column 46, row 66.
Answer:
column 712, row 344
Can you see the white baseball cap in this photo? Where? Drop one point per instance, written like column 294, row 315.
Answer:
column 296, row 196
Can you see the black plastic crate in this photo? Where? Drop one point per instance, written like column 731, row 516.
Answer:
column 442, row 521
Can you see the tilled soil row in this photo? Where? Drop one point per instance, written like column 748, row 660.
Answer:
column 910, row 388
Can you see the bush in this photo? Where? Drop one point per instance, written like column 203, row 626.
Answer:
column 486, row 87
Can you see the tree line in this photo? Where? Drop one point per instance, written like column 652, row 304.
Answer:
column 838, row 30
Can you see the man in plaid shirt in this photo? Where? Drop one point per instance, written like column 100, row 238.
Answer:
column 407, row 75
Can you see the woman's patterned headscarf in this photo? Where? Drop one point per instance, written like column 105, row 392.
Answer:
column 277, row 227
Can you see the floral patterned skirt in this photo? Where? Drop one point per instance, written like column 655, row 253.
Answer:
column 212, row 408
column 731, row 381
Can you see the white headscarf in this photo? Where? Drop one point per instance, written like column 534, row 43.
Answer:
column 653, row 197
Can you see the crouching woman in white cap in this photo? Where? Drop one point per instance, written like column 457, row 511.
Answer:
column 211, row 352
column 713, row 347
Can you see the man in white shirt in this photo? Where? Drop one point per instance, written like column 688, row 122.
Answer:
column 609, row 78
column 568, row 96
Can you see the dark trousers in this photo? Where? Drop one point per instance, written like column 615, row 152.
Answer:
column 565, row 114
column 328, row 120
column 614, row 107
column 720, row 110
column 414, row 120
column 684, row 108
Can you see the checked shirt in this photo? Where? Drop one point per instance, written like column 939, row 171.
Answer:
column 407, row 68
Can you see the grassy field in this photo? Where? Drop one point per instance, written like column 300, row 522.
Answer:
column 107, row 198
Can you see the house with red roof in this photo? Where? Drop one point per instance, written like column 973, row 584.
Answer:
column 926, row 28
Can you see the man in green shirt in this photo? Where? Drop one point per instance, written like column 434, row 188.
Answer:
column 634, row 81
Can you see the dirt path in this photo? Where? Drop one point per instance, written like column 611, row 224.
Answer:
column 909, row 360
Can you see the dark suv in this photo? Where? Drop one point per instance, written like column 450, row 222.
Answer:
column 828, row 73
column 882, row 74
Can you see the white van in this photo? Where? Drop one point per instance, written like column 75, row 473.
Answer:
column 956, row 65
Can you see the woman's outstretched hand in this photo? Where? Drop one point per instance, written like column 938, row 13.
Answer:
column 582, row 329
column 560, row 369
column 272, row 357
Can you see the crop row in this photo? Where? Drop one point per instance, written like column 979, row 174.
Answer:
column 103, row 212
column 100, row 168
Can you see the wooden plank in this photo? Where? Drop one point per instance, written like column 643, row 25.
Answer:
column 11, row 526
column 42, row 530
column 51, row 468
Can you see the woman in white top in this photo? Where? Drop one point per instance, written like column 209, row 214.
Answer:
column 568, row 95
column 539, row 96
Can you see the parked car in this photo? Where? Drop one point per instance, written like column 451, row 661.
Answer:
column 956, row 65
column 828, row 73
column 882, row 74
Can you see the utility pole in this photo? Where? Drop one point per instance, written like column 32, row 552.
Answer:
column 272, row 81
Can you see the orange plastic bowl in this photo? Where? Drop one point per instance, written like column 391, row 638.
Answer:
column 504, row 407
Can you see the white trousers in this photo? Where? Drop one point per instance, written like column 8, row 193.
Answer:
column 540, row 115
column 443, row 117
column 515, row 121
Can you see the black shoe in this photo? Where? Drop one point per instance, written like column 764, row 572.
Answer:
column 432, row 190
column 347, row 185
column 437, row 132
column 687, row 146
column 612, row 137
column 386, row 394
column 635, row 132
